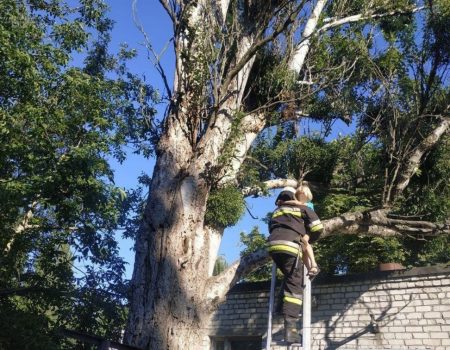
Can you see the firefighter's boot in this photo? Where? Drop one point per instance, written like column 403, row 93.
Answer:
column 291, row 334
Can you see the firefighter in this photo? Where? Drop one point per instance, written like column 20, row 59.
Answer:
column 286, row 227
column 304, row 196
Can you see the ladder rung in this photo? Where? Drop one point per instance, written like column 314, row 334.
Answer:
column 290, row 346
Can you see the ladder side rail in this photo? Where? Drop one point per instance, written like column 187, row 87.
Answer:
column 271, row 302
column 306, row 342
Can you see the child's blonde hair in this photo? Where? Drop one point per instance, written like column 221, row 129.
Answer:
column 305, row 190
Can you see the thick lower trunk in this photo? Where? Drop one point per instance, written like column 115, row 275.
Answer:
column 171, row 314
column 167, row 306
column 180, row 335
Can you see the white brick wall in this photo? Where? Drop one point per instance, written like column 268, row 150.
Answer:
column 411, row 309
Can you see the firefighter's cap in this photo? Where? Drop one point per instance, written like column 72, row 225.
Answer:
column 286, row 194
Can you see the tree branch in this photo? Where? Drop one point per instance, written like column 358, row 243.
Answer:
column 251, row 126
column 22, row 226
column 218, row 286
column 223, row 5
column 248, row 55
column 311, row 30
column 334, row 22
column 169, row 10
column 377, row 222
column 302, row 49
column 268, row 185
column 372, row 222
column 412, row 163
column 156, row 61
column 280, row 183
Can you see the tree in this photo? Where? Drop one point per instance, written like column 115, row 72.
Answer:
column 220, row 265
column 252, row 242
column 59, row 207
column 243, row 69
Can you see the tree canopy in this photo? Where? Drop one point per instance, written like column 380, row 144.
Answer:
column 395, row 97
column 66, row 107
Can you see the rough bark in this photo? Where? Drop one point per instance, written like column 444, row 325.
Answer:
column 170, row 268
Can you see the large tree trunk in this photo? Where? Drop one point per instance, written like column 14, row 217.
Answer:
column 168, row 309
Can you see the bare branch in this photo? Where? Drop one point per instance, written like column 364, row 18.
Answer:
column 302, row 49
column 335, row 22
column 22, row 226
column 223, row 5
column 249, row 54
column 311, row 29
column 218, row 286
column 412, row 163
column 269, row 185
column 280, row 183
column 251, row 126
column 169, row 10
column 156, row 58
column 377, row 222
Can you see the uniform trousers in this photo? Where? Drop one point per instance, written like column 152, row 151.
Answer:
column 292, row 269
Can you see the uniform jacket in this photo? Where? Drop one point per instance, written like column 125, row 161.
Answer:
column 299, row 219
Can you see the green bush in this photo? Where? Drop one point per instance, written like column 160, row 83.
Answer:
column 436, row 251
column 225, row 207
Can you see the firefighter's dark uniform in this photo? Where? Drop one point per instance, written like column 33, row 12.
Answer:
column 286, row 226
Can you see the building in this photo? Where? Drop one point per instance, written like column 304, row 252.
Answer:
column 404, row 310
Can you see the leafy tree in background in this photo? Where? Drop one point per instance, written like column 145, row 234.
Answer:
column 220, row 265
column 66, row 106
column 252, row 242
column 355, row 185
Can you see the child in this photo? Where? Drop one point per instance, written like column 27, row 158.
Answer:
column 303, row 196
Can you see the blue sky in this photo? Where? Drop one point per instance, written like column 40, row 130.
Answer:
column 126, row 32
column 158, row 27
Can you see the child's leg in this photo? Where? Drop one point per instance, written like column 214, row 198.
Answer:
column 306, row 259
column 312, row 268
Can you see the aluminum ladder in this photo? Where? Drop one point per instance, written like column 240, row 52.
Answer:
column 306, row 317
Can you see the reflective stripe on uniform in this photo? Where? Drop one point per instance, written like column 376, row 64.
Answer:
column 282, row 241
column 316, row 228
column 288, row 207
column 293, row 295
column 314, row 223
column 282, row 248
column 292, row 300
column 287, row 211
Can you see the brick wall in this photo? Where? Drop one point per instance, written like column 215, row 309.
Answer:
column 386, row 310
